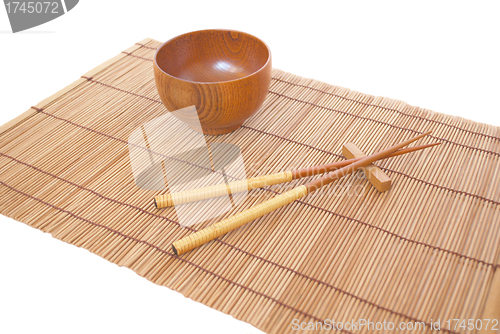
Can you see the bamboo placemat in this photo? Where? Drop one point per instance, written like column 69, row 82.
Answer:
column 427, row 249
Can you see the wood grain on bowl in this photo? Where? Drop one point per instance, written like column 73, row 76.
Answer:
column 226, row 74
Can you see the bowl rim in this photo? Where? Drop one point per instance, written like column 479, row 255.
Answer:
column 213, row 82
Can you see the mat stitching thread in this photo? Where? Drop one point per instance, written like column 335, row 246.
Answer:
column 313, row 147
column 40, row 110
column 299, row 201
column 390, row 109
column 275, row 192
column 145, row 46
column 361, row 117
column 364, row 103
column 163, row 251
column 460, row 192
column 136, row 56
column 231, row 246
column 385, row 123
column 194, row 230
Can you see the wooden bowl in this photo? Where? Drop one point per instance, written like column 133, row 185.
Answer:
column 224, row 73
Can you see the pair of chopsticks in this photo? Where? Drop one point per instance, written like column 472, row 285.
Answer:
column 335, row 171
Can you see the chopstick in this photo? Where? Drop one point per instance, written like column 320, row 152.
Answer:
column 216, row 230
column 234, row 187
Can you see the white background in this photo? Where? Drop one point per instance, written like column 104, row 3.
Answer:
column 442, row 55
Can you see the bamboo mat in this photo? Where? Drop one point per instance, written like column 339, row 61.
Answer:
column 427, row 249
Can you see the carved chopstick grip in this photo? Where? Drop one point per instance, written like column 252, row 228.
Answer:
column 218, row 190
column 216, row 230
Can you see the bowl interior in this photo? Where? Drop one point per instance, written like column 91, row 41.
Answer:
column 212, row 56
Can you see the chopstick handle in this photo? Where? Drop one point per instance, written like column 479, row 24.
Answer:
column 218, row 190
column 199, row 194
column 197, row 239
